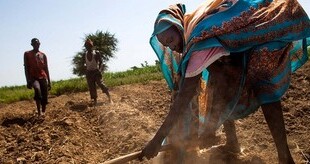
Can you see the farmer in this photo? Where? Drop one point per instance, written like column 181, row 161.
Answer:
column 37, row 75
column 94, row 70
column 253, row 38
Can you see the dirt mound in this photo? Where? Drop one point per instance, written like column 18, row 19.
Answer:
column 73, row 131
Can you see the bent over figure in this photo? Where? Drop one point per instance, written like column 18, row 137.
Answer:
column 246, row 49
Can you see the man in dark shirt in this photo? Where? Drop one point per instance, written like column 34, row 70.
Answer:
column 37, row 75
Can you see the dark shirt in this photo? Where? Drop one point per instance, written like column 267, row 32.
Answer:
column 35, row 65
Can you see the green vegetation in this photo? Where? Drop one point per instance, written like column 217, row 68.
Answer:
column 136, row 75
column 15, row 93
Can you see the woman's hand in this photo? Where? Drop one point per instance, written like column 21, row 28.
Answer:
column 151, row 149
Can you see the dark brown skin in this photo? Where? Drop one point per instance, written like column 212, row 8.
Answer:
column 171, row 38
column 222, row 88
column 219, row 95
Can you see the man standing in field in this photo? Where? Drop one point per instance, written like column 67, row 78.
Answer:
column 37, row 75
column 94, row 70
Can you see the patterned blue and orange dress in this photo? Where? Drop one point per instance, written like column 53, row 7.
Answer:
column 272, row 35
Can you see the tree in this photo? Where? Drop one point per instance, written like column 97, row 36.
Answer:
column 104, row 42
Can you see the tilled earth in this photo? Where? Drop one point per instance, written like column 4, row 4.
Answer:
column 73, row 131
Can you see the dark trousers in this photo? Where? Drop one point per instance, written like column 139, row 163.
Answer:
column 40, row 91
column 95, row 77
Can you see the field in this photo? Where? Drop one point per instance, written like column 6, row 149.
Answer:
column 73, row 131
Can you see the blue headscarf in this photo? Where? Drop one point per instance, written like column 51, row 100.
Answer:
column 167, row 59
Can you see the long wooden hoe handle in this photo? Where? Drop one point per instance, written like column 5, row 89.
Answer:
column 129, row 157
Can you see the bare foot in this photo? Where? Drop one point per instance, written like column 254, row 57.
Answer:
column 229, row 148
column 111, row 102
column 208, row 141
column 92, row 103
